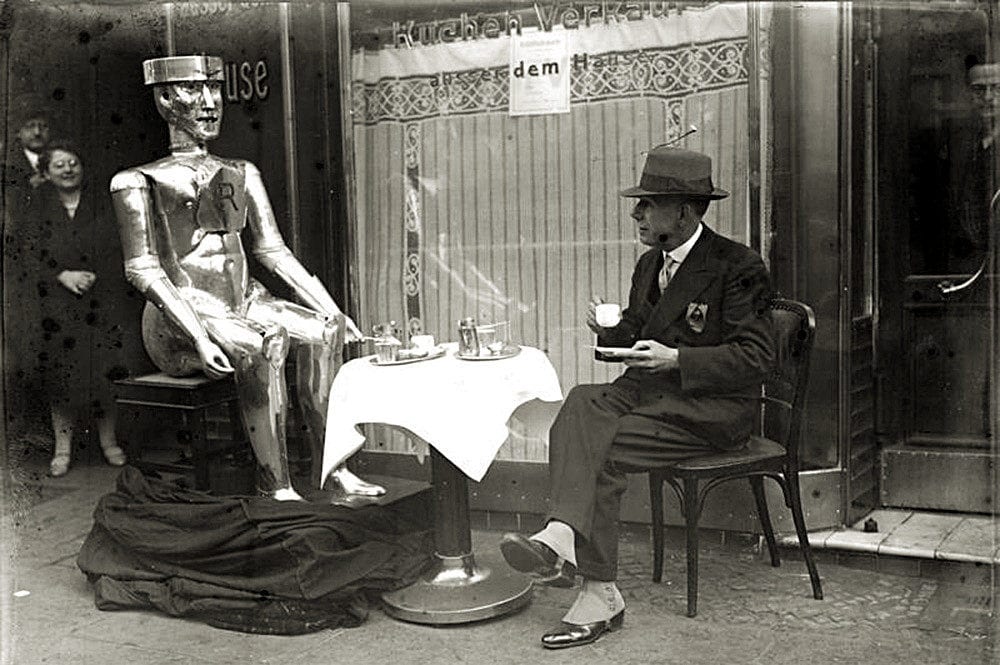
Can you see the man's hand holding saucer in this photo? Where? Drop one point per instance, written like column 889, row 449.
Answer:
column 647, row 354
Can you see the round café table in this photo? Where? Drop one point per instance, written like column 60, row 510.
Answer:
column 460, row 408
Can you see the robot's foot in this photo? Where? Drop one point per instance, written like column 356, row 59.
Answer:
column 285, row 494
column 351, row 484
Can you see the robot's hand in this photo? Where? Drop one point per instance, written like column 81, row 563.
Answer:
column 351, row 331
column 213, row 361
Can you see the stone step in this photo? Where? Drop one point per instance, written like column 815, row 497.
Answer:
column 954, row 546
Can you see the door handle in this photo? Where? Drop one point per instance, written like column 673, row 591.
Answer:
column 947, row 286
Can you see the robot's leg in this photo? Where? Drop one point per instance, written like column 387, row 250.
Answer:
column 258, row 356
column 271, row 449
column 317, row 364
column 320, row 348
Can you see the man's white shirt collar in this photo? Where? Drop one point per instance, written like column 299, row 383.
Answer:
column 678, row 254
column 32, row 158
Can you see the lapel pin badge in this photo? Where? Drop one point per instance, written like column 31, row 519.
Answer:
column 697, row 312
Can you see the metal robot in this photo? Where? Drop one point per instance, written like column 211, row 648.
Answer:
column 181, row 219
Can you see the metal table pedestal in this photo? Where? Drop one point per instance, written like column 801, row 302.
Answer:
column 458, row 588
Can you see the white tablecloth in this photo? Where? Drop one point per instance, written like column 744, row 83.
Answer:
column 461, row 407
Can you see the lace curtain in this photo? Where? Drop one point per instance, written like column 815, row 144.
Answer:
column 464, row 210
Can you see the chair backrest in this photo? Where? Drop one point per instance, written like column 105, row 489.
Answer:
column 785, row 386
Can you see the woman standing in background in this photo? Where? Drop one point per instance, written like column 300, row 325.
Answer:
column 81, row 291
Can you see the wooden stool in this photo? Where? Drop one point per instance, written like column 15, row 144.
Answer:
column 193, row 398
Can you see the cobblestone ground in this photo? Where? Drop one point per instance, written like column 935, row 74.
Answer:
column 748, row 612
column 901, row 619
column 28, row 456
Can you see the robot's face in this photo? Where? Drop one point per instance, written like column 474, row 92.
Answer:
column 193, row 107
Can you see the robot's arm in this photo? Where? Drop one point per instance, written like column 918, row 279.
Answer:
column 274, row 255
column 131, row 198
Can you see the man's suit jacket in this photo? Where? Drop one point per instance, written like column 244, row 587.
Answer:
column 715, row 312
column 20, row 269
column 17, row 172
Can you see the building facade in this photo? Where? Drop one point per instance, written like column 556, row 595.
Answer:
column 848, row 133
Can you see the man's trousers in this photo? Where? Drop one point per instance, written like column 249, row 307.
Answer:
column 594, row 440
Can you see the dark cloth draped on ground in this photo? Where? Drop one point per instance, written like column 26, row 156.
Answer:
column 245, row 563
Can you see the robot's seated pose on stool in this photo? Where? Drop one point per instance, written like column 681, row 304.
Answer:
column 181, row 219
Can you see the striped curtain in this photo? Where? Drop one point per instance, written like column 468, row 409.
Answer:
column 464, row 210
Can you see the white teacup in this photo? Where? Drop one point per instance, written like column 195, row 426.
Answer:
column 608, row 314
column 422, row 342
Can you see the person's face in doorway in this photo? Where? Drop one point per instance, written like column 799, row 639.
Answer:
column 987, row 100
column 34, row 134
column 64, row 170
column 663, row 222
column 192, row 107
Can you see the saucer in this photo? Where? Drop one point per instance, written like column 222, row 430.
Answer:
column 508, row 351
column 435, row 352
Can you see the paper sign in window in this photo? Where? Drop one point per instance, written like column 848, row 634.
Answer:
column 539, row 73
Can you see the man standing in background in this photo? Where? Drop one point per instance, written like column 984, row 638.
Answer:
column 30, row 132
column 30, row 122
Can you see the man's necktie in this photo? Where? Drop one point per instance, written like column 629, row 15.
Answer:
column 665, row 272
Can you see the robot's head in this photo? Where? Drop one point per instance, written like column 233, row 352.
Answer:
column 188, row 93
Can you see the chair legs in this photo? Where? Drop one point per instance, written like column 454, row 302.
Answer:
column 795, row 504
column 656, row 506
column 691, row 510
column 757, row 484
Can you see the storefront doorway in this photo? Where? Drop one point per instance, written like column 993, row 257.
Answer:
column 931, row 189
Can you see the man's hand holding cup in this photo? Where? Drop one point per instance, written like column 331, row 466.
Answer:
column 602, row 314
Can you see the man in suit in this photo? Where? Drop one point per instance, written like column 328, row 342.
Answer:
column 21, row 174
column 697, row 341
column 29, row 122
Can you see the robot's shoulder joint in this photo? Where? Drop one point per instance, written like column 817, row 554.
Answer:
column 250, row 169
column 128, row 179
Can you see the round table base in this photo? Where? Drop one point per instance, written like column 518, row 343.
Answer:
column 461, row 590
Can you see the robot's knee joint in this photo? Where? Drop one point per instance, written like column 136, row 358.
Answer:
column 275, row 345
column 331, row 329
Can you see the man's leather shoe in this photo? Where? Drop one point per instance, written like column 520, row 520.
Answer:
column 573, row 635
column 538, row 559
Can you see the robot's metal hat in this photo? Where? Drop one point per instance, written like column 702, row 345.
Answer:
column 182, row 68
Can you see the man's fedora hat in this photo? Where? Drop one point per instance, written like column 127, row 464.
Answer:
column 177, row 68
column 28, row 106
column 677, row 172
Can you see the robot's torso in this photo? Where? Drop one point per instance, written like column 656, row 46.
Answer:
column 186, row 216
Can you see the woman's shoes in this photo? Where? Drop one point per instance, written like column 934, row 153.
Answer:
column 114, row 455
column 59, row 466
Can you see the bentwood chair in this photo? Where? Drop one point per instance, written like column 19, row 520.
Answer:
column 774, row 453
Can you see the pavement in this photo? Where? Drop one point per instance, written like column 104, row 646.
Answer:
column 749, row 612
